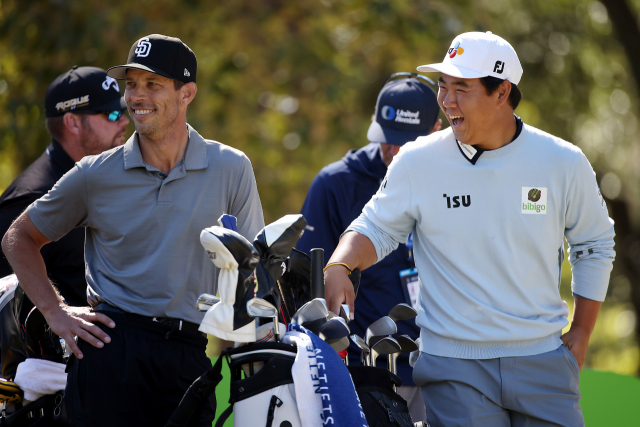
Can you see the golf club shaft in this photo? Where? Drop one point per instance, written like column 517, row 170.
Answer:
column 317, row 273
column 392, row 363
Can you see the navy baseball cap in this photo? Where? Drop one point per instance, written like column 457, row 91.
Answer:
column 406, row 109
column 162, row 55
column 82, row 89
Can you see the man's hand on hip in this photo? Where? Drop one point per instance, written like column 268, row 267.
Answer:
column 69, row 322
column 576, row 340
column 585, row 312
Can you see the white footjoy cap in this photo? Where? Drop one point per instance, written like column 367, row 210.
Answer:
column 475, row 55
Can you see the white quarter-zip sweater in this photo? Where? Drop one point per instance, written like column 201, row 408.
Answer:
column 488, row 239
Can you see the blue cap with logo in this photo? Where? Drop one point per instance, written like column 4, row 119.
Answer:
column 406, row 109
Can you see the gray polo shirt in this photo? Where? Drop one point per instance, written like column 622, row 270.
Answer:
column 142, row 249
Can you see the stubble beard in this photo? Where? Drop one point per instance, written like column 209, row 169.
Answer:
column 157, row 128
column 92, row 143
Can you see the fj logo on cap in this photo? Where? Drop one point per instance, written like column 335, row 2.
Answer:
column 456, row 50
column 144, row 47
column 187, row 73
column 72, row 104
column 109, row 83
column 534, row 200
column 499, row 67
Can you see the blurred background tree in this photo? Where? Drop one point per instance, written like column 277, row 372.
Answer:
column 294, row 84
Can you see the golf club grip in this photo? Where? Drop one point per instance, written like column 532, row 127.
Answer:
column 317, row 273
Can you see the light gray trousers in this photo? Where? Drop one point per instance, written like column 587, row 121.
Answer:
column 524, row 391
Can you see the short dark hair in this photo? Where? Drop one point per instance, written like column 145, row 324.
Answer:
column 491, row 84
column 177, row 84
column 56, row 128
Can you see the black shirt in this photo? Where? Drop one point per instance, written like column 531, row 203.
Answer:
column 65, row 258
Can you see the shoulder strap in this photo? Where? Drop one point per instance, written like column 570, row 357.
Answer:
column 190, row 408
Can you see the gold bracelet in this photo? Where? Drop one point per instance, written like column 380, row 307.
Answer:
column 338, row 263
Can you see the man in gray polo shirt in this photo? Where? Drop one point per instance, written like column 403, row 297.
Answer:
column 143, row 205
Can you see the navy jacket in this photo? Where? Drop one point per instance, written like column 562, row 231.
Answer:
column 336, row 197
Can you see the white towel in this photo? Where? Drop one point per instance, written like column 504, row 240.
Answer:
column 39, row 377
column 305, row 378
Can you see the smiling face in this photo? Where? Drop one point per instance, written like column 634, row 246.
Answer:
column 468, row 108
column 153, row 102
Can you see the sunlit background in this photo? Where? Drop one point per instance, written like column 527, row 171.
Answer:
column 293, row 84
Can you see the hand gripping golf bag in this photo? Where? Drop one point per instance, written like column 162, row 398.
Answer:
column 237, row 259
column 264, row 397
column 274, row 244
column 382, row 406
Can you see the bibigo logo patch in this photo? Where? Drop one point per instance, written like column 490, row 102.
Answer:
column 534, row 200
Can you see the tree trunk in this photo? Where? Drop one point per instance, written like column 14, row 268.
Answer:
column 627, row 31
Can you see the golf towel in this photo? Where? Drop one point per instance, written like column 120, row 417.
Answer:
column 39, row 377
column 324, row 390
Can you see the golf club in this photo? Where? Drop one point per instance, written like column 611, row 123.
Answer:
column 340, row 344
column 334, row 330
column 364, row 348
column 257, row 307
column 381, row 327
column 345, row 312
column 386, row 345
column 206, row 301
column 313, row 310
column 402, row 311
column 407, row 345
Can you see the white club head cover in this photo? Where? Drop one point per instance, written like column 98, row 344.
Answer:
column 218, row 320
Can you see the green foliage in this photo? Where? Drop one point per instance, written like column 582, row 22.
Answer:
column 294, row 84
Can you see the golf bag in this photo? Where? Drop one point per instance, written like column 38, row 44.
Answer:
column 14, row 307
column 265, row 396
column 382, row 406
column 27, row 345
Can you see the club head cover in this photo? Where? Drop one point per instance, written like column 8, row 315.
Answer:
column 296, row 281
column 275, row 241
column 236, row 258
column 14, row 306
column 274, row 244
column 229, row 222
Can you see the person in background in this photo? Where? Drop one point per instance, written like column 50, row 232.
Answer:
column 406, row 109
column 84, row 111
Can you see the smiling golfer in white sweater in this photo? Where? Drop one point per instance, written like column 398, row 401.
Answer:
column 489, row 201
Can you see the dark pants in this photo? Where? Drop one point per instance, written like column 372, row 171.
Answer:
column 136, row 380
